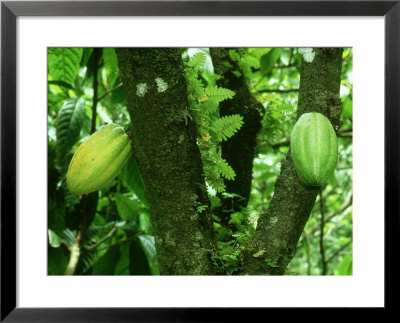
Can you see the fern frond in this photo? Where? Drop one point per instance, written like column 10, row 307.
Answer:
column 227, row 126
column 215, row 201
column 215, row 95
column 217, row 184
column 224, row 169
column 197, row 61
column 219, row 93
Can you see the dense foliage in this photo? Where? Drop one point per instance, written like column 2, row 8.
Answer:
column 85, row 92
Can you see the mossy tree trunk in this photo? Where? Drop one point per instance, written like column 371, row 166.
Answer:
column 279, row 230
column 238, row 150
column 164, row 142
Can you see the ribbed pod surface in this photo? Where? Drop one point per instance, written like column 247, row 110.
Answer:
column 98, row 160
column 314, row 148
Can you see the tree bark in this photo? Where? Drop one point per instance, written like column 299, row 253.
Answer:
column 238, row 150
column 165, row 147
column 278, row 231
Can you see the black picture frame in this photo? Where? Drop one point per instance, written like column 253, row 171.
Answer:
column 10, row 10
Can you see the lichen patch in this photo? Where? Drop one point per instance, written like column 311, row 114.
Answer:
column 162, row 86
column 141, row 89
column 307, row 53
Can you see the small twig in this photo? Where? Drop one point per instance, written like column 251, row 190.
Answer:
column 337, row 252
column 108, row 92
column 278, row 91
column 107, row 236
column 120, row 241
column 346, row 204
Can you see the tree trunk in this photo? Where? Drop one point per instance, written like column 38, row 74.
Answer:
column 164, row 142
column 278, row 231
column 238, row 150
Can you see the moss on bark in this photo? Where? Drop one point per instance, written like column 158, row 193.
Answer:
column 169, row 158
column 278, row 231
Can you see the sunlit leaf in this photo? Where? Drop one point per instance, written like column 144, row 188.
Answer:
column 63, row 63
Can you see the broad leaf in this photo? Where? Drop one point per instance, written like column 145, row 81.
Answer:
column 268, row 60
column 149, row 249
column 64, row 63
column 106, row 264
column 128, row 208
column 69, row 124
column 138, row 264
column 132, row 179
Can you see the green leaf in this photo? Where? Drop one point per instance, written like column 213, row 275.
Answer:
column 87, row 53
column 348, row 108
column 215, row 201
column 227, row 126
column 122, row 266
column 270, row 263
column 346, row 266
column 57, row 260
column 128, row 209
column 201, row 208
column 268, row 60
column 69, row 124
column 149, row 249
column 55, row 100
column 118, row 95
column 68, row 236
column 138, row 264
column 106, row 264
column 132, row 179
column 54, row 239
column 258, row 254
column 110, row 64
column 63, row 63
column 61, row 84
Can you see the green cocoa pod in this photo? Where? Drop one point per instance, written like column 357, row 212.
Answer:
column 98, row 160
column 314, row 148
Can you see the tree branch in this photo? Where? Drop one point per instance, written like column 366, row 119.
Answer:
column 168, row 158
column 279, row 229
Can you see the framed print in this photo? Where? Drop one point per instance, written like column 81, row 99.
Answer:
column 160, row 160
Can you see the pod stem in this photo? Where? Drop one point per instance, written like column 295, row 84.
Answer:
column 75, row 249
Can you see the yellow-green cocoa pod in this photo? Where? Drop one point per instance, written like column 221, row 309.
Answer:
column 314, row 148
column 98, row 159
